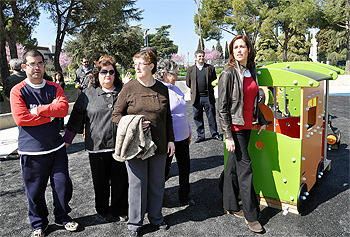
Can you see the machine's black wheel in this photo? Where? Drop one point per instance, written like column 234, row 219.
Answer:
column 319, row 174
column 221, row 181
column 302, row 197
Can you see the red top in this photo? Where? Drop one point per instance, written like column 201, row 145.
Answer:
column 250, row 91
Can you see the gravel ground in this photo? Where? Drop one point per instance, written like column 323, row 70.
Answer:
column 327, row 212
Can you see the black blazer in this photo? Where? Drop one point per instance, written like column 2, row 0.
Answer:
column 191, row 78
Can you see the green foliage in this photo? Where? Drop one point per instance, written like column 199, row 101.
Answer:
column 227, row 51
column 218, row 70
column 19, row 20
column 298, row 48
column 91, row 20
column 121, row 43
column 266, row 50
column 291, row 17
column 332, row 45
column 199, row 44
column 160, row 40
column 219, row 48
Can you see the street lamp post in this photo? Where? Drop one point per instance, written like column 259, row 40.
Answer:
column 145, row 36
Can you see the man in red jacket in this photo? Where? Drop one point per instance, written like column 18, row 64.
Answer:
column 36, row 105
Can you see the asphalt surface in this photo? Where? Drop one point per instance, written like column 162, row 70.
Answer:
column 327, row 211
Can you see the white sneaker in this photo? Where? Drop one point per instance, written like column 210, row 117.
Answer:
column 70, row 226
column 39, row 232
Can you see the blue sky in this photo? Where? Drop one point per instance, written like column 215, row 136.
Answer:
column 178, row 13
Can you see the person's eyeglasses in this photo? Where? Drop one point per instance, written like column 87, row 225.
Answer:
column 34, row 65
column 140, row 64
column 104, row 72
column 173, row 73
column 86, row 62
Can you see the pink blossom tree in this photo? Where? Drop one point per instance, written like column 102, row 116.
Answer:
column 178, row 58
column 20, row 52
column 212, row 54
column 65, row 61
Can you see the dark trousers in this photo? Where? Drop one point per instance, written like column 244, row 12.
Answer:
column 36, row 171
column 239, row 178
column 103, row 169
column 198, row 106
column 182, row 154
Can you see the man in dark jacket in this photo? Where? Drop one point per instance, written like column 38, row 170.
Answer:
column 199, row 78
column 82, row 78
column 16, row 77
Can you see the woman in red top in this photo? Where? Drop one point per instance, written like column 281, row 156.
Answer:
column 238, row 105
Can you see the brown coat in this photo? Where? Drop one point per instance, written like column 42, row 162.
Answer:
column 153, row 103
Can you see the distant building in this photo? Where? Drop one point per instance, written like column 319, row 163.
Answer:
column 48, row 52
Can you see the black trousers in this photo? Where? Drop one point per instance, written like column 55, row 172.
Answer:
column 201, row 104
column 103, row 169
column 239, row 178
column 182, row 154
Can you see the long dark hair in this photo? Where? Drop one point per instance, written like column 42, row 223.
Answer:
column 105, row 61
column 61, row 76
column 251, row 53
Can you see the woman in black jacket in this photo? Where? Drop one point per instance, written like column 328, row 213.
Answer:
column 93, row 112
column 238, row 105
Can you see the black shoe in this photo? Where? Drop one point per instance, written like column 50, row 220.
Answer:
column 188, row 201
column 199, row 139
column 218, row 137
column 163, row 226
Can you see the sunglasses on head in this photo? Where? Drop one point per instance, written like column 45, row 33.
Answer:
column 104, row 72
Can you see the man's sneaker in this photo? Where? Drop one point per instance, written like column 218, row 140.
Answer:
column 39, row 232
column 70, row 226
column 254, row 226
column 123, row 218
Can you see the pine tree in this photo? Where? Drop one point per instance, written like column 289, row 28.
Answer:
column 219, row 48
column 199, row 44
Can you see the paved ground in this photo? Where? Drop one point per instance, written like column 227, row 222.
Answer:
column 327, row 212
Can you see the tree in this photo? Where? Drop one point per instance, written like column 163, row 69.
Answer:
column 122, row 43
column 219, row 49
column 266, row 50
column 198, row 4
column 161, row 42
column 232, row 16
column 332, row 45
column 178, row 58
column 298, row 48
column 289, row 16
column 20, row 52
column 201, row 44
column 227, row 51
column 65, row 60
column 335, row 15
column 83, row 15
column 17, row 21
column 211, row 55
